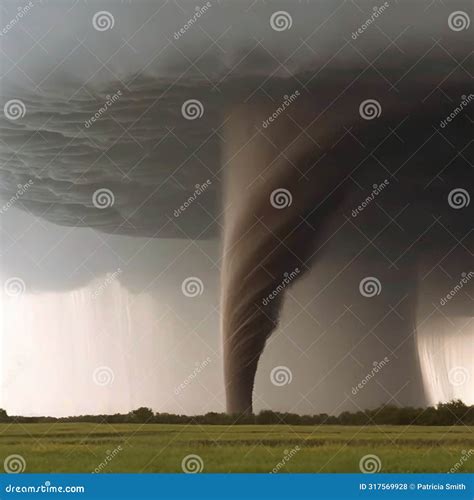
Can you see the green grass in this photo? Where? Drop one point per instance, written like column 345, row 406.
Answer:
column 62, row 447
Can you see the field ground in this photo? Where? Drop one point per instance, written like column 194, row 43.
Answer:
column 64, row 447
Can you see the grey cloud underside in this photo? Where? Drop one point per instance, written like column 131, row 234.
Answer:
column 142, row 148
column 134, row 150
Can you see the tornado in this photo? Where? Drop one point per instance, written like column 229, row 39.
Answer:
column 276, row 199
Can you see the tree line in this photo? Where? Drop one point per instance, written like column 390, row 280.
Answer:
column 453, row 413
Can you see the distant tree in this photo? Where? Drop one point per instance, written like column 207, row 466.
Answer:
column 213, row 418
column 407, row 416
column 267, row 417
column 468, row 418
column 142, row 415
column 346, row 418
column 322, row 418
column 451, row 413
column 290, row 418
column 386, row 415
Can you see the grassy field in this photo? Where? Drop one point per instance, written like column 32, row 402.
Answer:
column 105, row 448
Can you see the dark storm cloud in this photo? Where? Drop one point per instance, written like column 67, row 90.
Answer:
column 104, row 102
